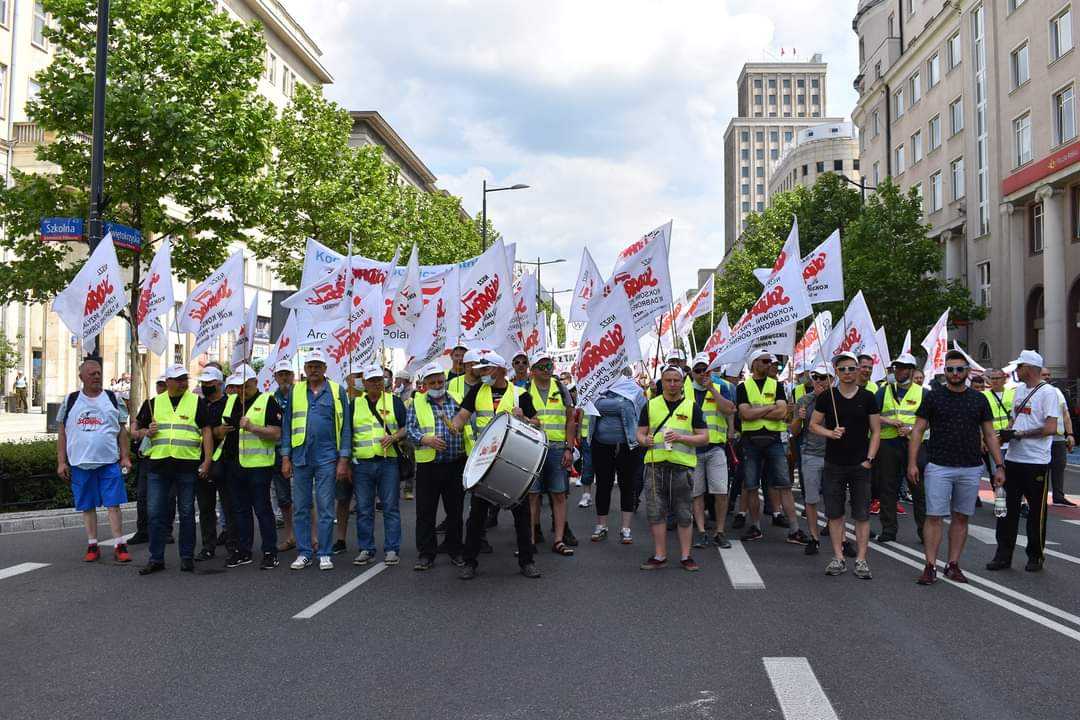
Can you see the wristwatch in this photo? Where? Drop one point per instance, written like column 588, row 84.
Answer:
column 869, row 460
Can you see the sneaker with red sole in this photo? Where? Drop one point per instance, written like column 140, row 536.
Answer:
column 120, row 554
column 689, row 565
column 93, row 553
column 929, row 576
column 875, row 507
column 654, row 564
column 900, row 509
column 954, row 573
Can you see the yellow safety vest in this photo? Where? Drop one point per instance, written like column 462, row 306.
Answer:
column 872, row 386
column 680, row 421
column 230, row 402
column 583, row 428
column 1001, row 414
column 759, row 398
column 299, row 413
column 255, row 452
column 714, row 419
column 178, row 436
column 425, row 418
column 902, row 409
column 486, row 411
column 798, row 393
column 458, row 388
column 552, row 413
column 368, row 431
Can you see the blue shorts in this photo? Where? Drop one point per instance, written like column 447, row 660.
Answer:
column 100, row 487
column 767, row 463
column 951, row 489
column 553, row 478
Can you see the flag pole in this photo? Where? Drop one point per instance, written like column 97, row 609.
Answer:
column 348, row 309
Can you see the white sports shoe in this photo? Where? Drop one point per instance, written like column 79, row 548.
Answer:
column 391, row 558
column 586, row 500
column 301, row 562
column 363, row 558
column 326, row 563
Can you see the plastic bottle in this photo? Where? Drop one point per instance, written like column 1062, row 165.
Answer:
column 1000, row 508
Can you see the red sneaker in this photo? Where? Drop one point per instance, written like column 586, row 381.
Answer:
column 875, row 507
column 120, row 554
column 954, row 573
column 900, row 509
column 929, row 576
column 93, row 553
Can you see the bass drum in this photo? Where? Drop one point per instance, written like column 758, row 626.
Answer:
column 507, row 458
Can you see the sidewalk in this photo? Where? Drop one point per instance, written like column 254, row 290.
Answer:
column 56, row 519
column 15, row 427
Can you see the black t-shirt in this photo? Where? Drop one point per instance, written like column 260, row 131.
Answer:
column 855, row 413
column 955, row 420
column 697, row 420
column 231, row 443
column 202, row 420
column 524, row 401
column 742, row 398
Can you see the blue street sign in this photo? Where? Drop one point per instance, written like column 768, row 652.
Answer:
column 61, row 229
column 124, row 237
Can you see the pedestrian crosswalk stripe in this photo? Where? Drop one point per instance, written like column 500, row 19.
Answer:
column 797, row 689
column 740, row 568
column 112, row 542
column 20, row 569
column 319, row 605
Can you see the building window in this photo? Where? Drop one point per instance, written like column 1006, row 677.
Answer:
column 745, row 136
column 838, row 165
column 957, row 167
column 1036, row 229
column 772, row 83
column 745, row 188
column 33, row 89
column 1019, row 62
column 898, row 101
column 815, row 99
column 802, row 99
column 759, row 136
column 757, row 83
column 933, row 71
column 954, row 50
column 935, row 192
column 3, row 12
column 800, row 83
column 855, row 164
column 877, row 70
column 759, row 171
column 772, row 99
column 982, row 271
column 1013, row 4
column 916, row 147
column 876, row 123
column 774, row 154
column 745, row 172
column 899, row 160
column 37, row 29
column 1060, row 35
column 760, row 189
column 757, row 99
column 805, row 170
column 746, row 206
column 774, row 136
column 917, row 189
column 759, row 153
column 1064, row 116
column 815, row 83
column 788, row 136
column 1022, row 139
column 935, row 132
column 787, row 100
column 744, row 154
column 956, row 116
column 787, row 82
column 3, row 89
column 820, row 166
column 1076, row 213
column 877, row 173
column 271, row 68
column 916, row 88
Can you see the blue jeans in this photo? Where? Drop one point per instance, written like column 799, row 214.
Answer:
column 249, row 489
column 314, row 483
column 587, row 473
column 774, row 460
column 159, row 493
column 377, row 475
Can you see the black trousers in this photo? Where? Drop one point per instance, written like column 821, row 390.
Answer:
column 207, row 493
column 1030, row 481
column 1058, row 457
column 611, row 462
column 435, row 481
column 142, row 494
column 478, row 513
column 890, row 462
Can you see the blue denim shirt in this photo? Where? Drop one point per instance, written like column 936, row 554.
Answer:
column 455, row 444
column 319, row 446
column 628, row 414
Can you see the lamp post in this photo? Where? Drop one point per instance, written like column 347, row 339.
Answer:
column 483, row 209
column 97, row 151
column 540, row 263
column 863, row 187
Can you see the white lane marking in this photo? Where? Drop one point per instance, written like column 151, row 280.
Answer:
column 740, row 569
column 20, row 569
column 989, row 535
column 797, row 689
column 112, row 542
column 319, row 605
column 1072, row 522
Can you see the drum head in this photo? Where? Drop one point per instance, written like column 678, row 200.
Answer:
column 485, row 450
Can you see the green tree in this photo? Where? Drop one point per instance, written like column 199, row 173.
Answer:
column 886, row 252
column 9, row 355
column 185, row 128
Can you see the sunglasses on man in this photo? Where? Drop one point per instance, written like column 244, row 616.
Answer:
column 956, row 369
column 818, row 378
column 847, row 368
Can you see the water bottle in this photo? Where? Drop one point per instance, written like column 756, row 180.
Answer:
column 1000, row 508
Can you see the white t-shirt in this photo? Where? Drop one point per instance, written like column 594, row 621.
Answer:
column 1062, row 408
column 1043, row 404
column 92, row 429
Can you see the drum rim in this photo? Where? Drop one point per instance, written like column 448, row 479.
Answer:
column 502, row 441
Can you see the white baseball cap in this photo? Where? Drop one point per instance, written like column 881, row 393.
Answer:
column 175, row 371
column 702, row 357
column 822, row 369
column 210, row 374
column 905, row 359
column 538, row 356
column 283, row 366
column 761, row 355
column 371, row 372
column 847, row 355
column 472, row 356
column 161, row 378
column 675, row 354
column 429, row 370
column 490, row 359
column 233, row 380
column 316, row 355
column 1029, row 357
column 403, row 375
column 246, row 372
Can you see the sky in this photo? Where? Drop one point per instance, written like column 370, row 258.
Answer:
column 612, row 112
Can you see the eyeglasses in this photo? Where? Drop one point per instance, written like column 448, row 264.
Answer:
column 819, row 378
column 702, row 371
column 847, row 368
column 543, row 366
column 956, row 369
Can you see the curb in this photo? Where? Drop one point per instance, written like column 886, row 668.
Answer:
column 55, row 519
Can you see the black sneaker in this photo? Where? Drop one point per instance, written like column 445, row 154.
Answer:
column 187, row 565
column 780, row 520
column 721, row 540
column 798, row 538
column 1064, row 502
column 269, row 561
column 234, row 560
column 171, row 540
column 849, row 549
column 568, row 537
column 530, row 571
column 886, row 537
column 151, row 568
column 138, row 539
column 245, row 559
column 812, row 547
column 468, row 572
column 456, row 561
column 339, row 547
column 441, row 527
column 485, row 547
column 424, row 564
column 752, row 533
column 204, row 554
column 221, row 538
column 1034, row 565
column 739, row 522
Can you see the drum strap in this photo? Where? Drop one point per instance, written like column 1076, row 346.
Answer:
column 664, row 421
column 379, row 417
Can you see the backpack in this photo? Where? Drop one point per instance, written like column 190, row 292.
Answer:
column 74, row 397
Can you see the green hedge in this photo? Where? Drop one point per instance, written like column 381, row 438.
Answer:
column 28, row 479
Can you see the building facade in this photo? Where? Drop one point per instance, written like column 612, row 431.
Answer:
column 823, row 148
column 972, row 102
column 776, row 101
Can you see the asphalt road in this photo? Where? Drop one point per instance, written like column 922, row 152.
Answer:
column 594, row 638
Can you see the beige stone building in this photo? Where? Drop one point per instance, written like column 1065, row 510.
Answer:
column 972, row 102
column 776, row 101
column 832, row 147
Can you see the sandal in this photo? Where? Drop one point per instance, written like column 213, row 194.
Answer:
column 599, row 534
column 563, row 549
column 286, row 545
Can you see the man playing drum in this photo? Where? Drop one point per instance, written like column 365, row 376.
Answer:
column 493, row 396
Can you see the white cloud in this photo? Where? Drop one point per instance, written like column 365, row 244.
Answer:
column 613, row 112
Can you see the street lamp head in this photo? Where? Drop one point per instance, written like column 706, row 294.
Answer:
column 519, row 186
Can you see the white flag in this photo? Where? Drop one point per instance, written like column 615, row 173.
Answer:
column 608, row 345
column 587, row 285
column 574, row 331
column 855, row 333
column 719, row 336
column 95, row 295
column 245, row 337
column 808, row 349
column 783, row 302
column 155, row 300
column 970, row 360
column 404, row 305
column 319, row 261
column 642, row 274
column 906, row 347
column 216, row 306
column 538, row 340
column 284, row 349
column 663, row 232
column 437, row 329
column 322, row 298
column 780, row 341
column 699, row 305
column 487, row 298
column 524, row 321
column 936, row 344
column 823, row 271
column 352, row 341
column 881, row 358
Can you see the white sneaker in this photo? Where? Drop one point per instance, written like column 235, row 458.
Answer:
column 301, row 562
column 364, row 557
column 326, row 563
column 626, row 536
column 391, row 558
column 586, row 500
